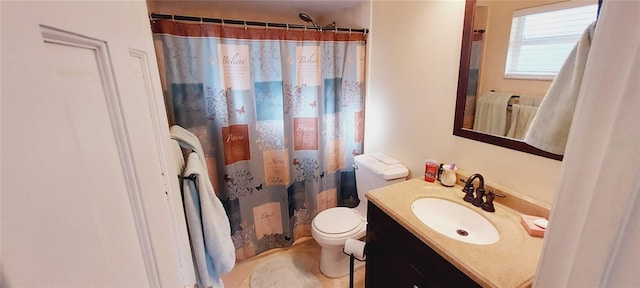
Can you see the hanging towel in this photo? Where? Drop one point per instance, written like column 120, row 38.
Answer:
column 529, row 100
column 491, row 113
column 209, row 228
column 177, row 154
column 521, row 117
column 550, row 128
column 188, row 140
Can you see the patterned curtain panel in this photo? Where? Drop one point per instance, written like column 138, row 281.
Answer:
column 472, row 86
column 279, row 114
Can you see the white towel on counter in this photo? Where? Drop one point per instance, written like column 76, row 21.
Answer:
column 521, row 117
column 550, row 128
column 208, row 223
column 491, row 113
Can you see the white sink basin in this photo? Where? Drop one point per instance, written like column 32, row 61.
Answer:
column 455, row 221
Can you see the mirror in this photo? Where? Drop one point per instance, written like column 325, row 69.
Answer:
column 491, row 76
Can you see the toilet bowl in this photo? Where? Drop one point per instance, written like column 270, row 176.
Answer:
column 332, row 227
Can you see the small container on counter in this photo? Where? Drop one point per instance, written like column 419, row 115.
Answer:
column 448, row 177
column 430, row 170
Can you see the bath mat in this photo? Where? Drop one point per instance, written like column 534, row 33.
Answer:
column 282, row 271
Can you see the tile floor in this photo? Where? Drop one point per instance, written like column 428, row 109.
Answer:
column 307, row 251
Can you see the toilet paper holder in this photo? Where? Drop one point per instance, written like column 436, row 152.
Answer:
column 354, row 257
column 351, row 263
column 355, row 248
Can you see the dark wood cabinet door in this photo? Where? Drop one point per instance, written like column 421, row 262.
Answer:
column 396, row 258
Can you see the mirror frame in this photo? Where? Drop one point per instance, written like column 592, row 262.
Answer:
column 463, row 78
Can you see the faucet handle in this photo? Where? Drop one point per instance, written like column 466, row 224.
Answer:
column 468, row 190
column 488, row 206
column 498, row 194
column 478, row 200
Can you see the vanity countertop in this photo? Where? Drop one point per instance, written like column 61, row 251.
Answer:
column 510, row 262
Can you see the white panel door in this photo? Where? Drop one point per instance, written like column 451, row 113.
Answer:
column 86, row 196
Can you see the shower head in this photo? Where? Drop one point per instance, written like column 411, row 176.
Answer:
column 307, row 18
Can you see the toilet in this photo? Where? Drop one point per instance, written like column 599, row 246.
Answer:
column 332, row 227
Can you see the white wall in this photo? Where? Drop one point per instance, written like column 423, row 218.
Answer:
column 413, row 67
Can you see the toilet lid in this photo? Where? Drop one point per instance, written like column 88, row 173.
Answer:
column 336, row 220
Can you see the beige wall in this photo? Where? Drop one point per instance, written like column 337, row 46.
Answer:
column 496, row 44
column 354, row 13
column 414, row 58
column 219, row 9
column 414, row 53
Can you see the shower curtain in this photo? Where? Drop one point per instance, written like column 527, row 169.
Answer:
column 279, row 114
column 472, row 86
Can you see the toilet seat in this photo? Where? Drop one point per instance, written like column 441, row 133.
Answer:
column 337, row 220
column 333, row 226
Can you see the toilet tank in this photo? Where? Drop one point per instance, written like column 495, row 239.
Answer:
column 375, row 170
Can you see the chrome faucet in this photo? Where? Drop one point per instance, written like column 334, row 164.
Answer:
column 480, row 193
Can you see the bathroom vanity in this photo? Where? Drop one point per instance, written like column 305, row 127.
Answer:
column 404, row 252
column 397, row 258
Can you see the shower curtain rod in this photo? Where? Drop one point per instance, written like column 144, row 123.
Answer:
column 155, row 16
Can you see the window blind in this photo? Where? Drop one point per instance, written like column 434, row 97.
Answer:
column 542, row 37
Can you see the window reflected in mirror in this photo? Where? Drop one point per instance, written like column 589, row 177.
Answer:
column 517, row 47
column 542, row 37
column 483, row 63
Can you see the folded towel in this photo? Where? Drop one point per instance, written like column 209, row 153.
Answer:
column 376, row 165
column 550, row 128
column 491, row 113
column 521, row 117
column 208, row 223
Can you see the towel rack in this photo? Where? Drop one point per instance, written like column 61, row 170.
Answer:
column 191, row 177
column 512, row 97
